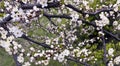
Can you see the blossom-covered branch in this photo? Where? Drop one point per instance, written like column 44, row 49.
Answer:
column 79, row 31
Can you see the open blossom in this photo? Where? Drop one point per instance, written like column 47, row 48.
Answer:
column 16, row 32
column 85, row 51
column 3, row 34
column 42, row 2
column 17, row 14
column 20, row 58
column 74, row 16
column 6, row 45
column 118, row 2
column 48, row 41
column 103, row 22
column 46, row 62
column 110, row 51
column 66, row 52
column 32, row 49
column 110, row 63
column 117, row 60
column 35, row 8
column 115, row 23
column 118, row 27
column 61, row 58
column 116, row 9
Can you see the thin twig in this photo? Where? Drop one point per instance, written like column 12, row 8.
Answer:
column 50, row 5
column 104, row 49
column 90, row 13
column 41, row 44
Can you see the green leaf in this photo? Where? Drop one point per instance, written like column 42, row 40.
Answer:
column 2, row 4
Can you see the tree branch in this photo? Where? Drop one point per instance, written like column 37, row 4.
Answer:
column 41, row 44
column 50, row 5
column 104, row 48
column 89, row 13
column 47, row 46
column 6, row 19
column 15, row 59
column 86, row 22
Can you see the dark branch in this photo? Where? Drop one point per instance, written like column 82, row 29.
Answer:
column 6, row 19
column 90, row 13
column 57, row 16
column 77, row 61
column 104, row 48
column 41, row 44
column 51, row 21
column 114, row 36
column 50, row 5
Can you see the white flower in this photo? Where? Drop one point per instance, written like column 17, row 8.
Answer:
column 26, row 64
column 32, row 49
column 61, row 58
column 76, row 1
column 79, row 22
column 103, row 22
column 39, row 62
column 110, row 51
column 35, row 8
column 20, row 59
column 6, row 3
column 3, row 34
column 42, row 2
column 66, row 52
column 25, row 1
column 32, row 59
column 101, row 33
column 85, row 3
column 48, row 41
column 28, row 54
column 55, row 56
column 115, row 23
column 116, row 9
column 15, row 47
column 118, row 27
column 22, row 50
column 16, row 32
column 19, row 46
column 15, row 43
column 118, row 2
column 6, row 45
column 117, row 60
column 110, row 63
column 17, row 14
column 46, row 62
column 78, row 54
column 10, row 38
column 85, row 51
column 74, row 16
